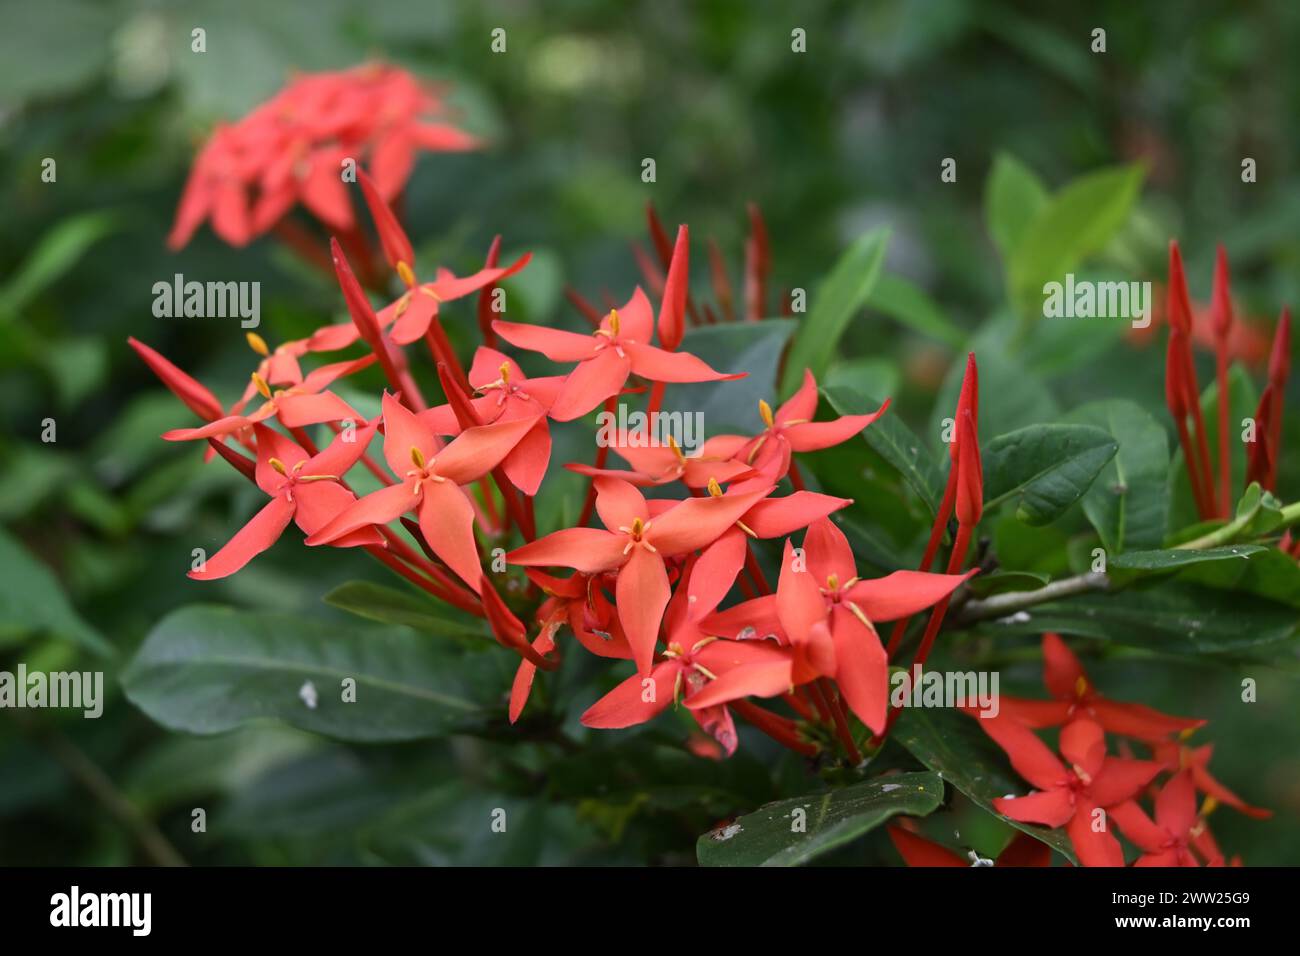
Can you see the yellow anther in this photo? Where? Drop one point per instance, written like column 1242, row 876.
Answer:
column 833, row 582
column 765, row 410
column 1209, row 806
column 405, row 274
column 257, row 343
column 638, row 526
column 715, row 489
column 277, row 464
column 1186, row 733
column 613, row 321
column 1080, row 686
column 262, row 387
column 677, row 449
column 417, row 457
column 428, row 290
column 505, row 372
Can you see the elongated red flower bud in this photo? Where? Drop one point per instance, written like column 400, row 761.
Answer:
column 970, row 473
column 1279, row 359
column 1179, row 307
column 363, row 315
column 1259, row 460
column 466, row 417
column 1175, row 387
column 393, row 238
column 245, row 465
column 968, row 400
column 196, row 396
column 672, row 310
column 658, row 235
column 758, row 264
column 1221, row 300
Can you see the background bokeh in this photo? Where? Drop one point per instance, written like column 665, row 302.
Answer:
column 829, row 143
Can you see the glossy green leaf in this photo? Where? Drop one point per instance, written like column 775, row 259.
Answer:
column 1045, row 467
column 206, row 670
column 387, row 605
column 32, row 602
column 834, row 303
column 1170, row 559
column 1013, row 198
column 909, row 305
column 792, row 832
column 1128, row 503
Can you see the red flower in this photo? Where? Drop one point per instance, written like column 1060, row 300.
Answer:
column 1076, row 697
column 664, row 464
column 1166, row 840
column 306, row 489
column 827, row 615
column 636, row 546
column 1067, row 796
column 618, row 348
column 792, row 429
column 292, row 148
column 430, row 479
column 1177, row 756
column 306, row 403
column 692, row 661
column 507, row 394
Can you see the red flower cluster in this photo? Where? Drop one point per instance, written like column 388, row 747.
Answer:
column 1086, row 789
column 292, row 149
column 649, row 584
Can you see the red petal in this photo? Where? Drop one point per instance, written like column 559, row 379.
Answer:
column 1083, row 744
column 716, row 571
column 262, row 531
column 1091, row 847
column 812, row 436
column 1062, row 670
column 1052, row 808
column 698, row 522
column 447, row 520
column 1029, row 756
column 1176, row 804
column 777, row 517
column 903, row 593
column 589, row 384
column 476, row 451
column 861, row 668
column 377, row 508
column 802, row 405
column 642, row 594
column 918, row 851
column 625, row 705
column 619, row 503
column 659, row 365
column 584, row 549
column 404, row 430
column 1120, row 778
column 556, row 345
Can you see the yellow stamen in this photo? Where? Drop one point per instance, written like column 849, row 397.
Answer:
column 638, row 526
column 833, row 582
column 677, row 449
column 1080, row 686
column 613, row 321
column 765, row 410
column 262, row 387
column 257, row 343
column 318, row 477
column 747, row 529
column 405, row 274
column 505, row 373
column 417, row 457
column 857, row 612
column 715, row 489
column 1209, row 806
column 705, row 671
column 278, row 465
column 704, row 642
column 428, row 290
column 1186, row 732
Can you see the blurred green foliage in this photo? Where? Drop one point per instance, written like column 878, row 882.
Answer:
column 832, row 144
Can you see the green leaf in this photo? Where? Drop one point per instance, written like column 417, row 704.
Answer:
column 1011, row 396
column 751, row 347
column 1078, row 221
column 33, row 603
column 896, row 443
column 865, row 375
column 766, row 837
column 206, row 670
column 1128, row 504
column 834, row 303
column 378, row 602
column 1170, row 618
column 953, row 746
column 1171, row 559
column 907, row 303
column 1003, row 582
column 1047, row 467
column 56, row 252
column 1013, row 198
column 1269, row 573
